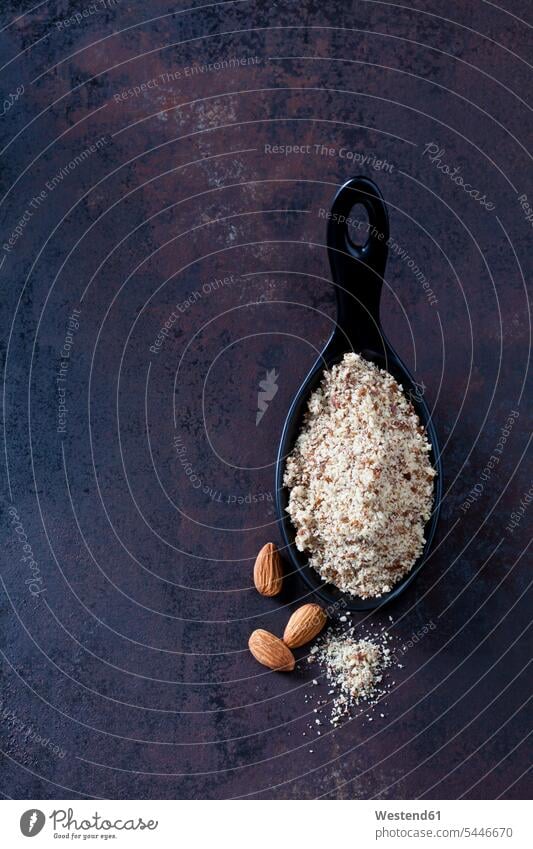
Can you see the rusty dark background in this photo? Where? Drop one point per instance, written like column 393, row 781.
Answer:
column 144, row 516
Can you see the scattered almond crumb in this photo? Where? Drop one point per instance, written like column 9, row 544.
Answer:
column 354, row 669
column 361, row 483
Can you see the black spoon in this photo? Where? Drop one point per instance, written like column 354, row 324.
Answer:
column 358, row 275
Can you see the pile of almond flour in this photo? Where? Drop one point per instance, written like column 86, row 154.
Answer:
column 353, row 668
column 360, row 480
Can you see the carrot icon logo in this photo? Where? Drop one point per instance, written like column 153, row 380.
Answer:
column 267, row 389
column 32, row 822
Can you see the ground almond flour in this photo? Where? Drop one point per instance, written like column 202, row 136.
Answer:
column 360, row 480
column 353, row 668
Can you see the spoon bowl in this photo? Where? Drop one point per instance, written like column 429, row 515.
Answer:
column 357, row 273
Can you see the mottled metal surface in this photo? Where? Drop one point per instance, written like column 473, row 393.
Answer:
column 128, row 652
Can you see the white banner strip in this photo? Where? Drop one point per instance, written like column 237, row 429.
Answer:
column 266, row 824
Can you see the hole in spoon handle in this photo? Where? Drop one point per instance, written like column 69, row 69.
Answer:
column 358, row 271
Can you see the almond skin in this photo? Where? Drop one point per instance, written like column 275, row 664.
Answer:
column 268, row 571
column 271, row 651
column 304, row 624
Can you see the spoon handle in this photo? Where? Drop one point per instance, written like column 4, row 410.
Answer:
column 358, row 271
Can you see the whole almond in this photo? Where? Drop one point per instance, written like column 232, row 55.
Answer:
column 304, row 624
column 268, row 571
column 271, row 651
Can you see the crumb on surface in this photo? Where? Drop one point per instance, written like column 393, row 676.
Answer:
column 354, row 668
